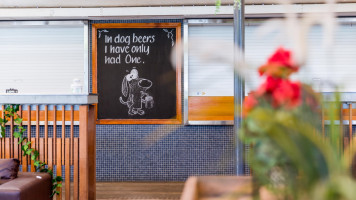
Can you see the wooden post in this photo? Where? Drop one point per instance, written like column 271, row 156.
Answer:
column 87, row 155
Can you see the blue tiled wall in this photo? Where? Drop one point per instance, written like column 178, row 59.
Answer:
column 162, row 152
column 158, row 153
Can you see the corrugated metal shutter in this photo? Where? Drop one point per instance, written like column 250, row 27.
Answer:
column 210, row 70
column 41, row 59
column 323, row 68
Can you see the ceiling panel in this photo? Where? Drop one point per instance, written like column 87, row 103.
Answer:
column 123, row 3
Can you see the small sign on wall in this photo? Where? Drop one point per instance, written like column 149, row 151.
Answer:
column 135, row 74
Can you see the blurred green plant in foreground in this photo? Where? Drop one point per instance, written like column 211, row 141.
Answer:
column 290, row 156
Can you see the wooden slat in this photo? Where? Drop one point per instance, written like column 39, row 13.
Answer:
column 19, row 145
column 341, row 127
column 23, row 158
column 211, row 108
column 59, row 164
column 63, row 132
column 37, row 127
column 46, row 134
column 50, row 153
column 24, row 162
column 7, row 148
column 16, row 148
column 67, row 168
column 11, row 143
column 71, row 134
column 33, row 144
column 29, row 122
column 1, row 150
column 350, row 121
column 2, row 147
column 28, row 160
column 76, row 170
column 323, row 121
column 41, row 149
column 3, row 139
column 54, row 149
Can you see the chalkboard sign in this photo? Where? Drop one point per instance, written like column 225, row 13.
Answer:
column 137, row 73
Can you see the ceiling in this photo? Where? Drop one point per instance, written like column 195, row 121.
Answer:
column 125, row 3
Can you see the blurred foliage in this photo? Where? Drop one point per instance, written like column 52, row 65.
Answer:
column 290, row 155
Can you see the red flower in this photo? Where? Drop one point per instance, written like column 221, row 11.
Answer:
column 280, row 64
column 249, row 103
column 282, row 92
column 269, row 85
column 288, row 94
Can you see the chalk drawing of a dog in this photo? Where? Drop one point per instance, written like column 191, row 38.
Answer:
column 134, row 88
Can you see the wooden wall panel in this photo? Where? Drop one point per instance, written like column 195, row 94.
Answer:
column 222, row 108
column 211, row 108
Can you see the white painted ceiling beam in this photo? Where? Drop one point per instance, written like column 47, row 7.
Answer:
column 161, row 12
column 135, row 3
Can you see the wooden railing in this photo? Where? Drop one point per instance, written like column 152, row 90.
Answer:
column 58, row 148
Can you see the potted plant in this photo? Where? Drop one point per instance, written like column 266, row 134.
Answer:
column 290, row 158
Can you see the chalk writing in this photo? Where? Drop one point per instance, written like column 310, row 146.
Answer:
column 129, row 48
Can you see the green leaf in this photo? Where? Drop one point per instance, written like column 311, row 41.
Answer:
column 16, row 107
column 24, row 147
column 59, row 179
column 36, row 163
column 18, row 120
column 59, row 185
column 2, row 131
column 17, row 134
column 28, row 152
column 44, row 170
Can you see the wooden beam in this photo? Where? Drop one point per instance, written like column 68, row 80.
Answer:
column 87, row 155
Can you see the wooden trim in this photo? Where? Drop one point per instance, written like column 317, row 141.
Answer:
column 177, row 26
